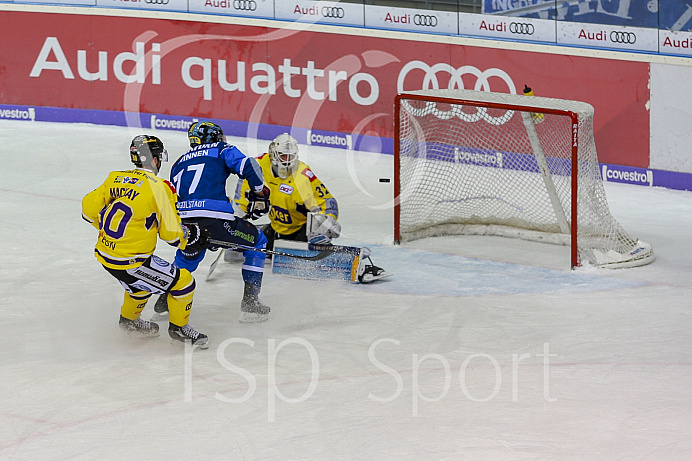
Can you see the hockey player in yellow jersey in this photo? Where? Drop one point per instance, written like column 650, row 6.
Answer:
column 131, row 210
column 297, row 196
column 302, row 208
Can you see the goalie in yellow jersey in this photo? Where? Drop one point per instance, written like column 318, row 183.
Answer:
column 130, row 210
column 302, row 208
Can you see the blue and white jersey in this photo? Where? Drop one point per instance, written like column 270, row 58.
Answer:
column 200, row 175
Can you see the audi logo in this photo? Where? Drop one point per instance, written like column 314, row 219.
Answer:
column 157, row 2
column 425, row 20
column 332, row 12
column 623, row 37
column 245, row 5
column 430, row 81
column 521, row 28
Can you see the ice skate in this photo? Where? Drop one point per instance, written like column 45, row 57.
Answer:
column 369, row 272
column 139, row 327
column 188, row 333
column 252, row 309
column 161, row 308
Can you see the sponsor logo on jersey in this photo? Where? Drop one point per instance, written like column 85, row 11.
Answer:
column 128, row 180
column 286, row 189
column 247, row 237
column 150, row 277
column 108, row 243
column 309, row 174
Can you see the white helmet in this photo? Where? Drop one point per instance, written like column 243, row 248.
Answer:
column 283, row 151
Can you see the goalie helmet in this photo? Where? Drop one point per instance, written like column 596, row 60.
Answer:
column 144, row 149
column 204, row 133
column 283, row 151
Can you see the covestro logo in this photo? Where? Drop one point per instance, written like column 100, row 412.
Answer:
column 627, row 175
column 18, row 114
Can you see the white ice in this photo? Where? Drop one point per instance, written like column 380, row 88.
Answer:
column 476, row 349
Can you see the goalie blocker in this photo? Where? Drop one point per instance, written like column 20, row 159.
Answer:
column 348, row 263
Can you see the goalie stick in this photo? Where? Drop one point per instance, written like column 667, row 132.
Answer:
column 324, row 250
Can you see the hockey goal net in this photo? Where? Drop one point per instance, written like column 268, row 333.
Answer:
column 474, row 162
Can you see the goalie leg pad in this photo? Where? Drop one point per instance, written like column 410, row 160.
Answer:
column 342, row 264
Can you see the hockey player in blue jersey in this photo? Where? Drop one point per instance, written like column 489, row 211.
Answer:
column 199, row 177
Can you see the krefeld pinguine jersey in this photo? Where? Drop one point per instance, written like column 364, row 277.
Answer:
column 291, row 198
column 200, row 177
column 130, row 209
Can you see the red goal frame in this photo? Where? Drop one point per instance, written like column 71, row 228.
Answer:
column 575, row 262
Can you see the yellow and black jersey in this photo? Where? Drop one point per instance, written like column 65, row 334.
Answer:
column 130, row 209
column 291, row 198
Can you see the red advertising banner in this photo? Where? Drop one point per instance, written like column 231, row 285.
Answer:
column 314, row 80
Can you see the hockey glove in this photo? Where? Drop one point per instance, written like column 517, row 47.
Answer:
column 258, row 203
column 197, row 237
column 319, row 239
column 323, row 224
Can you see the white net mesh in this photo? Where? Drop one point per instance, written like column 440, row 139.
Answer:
column 500, row 171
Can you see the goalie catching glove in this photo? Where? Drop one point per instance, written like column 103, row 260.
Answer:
column 322, row 228
column 197, row 237
column 258, row 203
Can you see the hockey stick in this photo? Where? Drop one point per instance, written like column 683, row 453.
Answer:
column 324, row 250
column 216, row 261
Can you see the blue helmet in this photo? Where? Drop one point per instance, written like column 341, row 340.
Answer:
column 204, row 133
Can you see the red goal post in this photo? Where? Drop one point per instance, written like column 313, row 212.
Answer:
column 482, row 163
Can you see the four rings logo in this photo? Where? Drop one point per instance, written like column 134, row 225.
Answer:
column 521, row 28
column 427, row 20
column 623, row 37
column 332, row 12
column 245, row 5
column 157, row 2
column 478, row 80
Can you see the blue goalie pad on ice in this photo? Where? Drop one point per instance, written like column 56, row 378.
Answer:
column 342, row 264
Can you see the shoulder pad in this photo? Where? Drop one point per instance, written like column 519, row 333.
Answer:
column 170, row 185
column 307, row 172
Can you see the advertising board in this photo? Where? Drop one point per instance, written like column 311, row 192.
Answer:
column 262, row 77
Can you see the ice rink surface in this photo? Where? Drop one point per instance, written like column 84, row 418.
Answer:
column 478, row 348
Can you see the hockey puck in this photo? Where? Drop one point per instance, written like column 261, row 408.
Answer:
column 384, row 179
